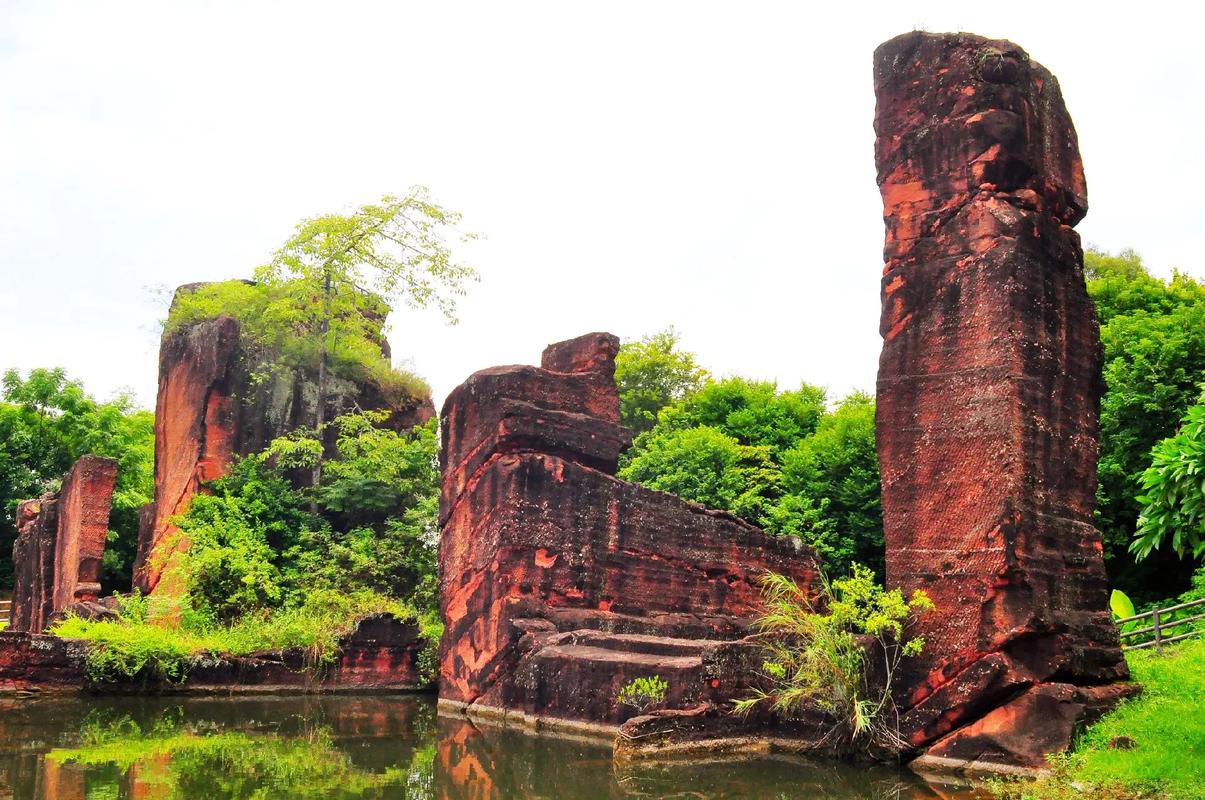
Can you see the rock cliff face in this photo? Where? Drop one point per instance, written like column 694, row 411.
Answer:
column 561, row 583
column 210, row 410
column 60, row 544
column 988, row 388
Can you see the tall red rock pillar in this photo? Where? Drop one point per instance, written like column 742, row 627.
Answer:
column 988, row 390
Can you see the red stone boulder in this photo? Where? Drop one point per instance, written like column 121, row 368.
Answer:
column 60, row 545
column 988, row 388
column 561, row 583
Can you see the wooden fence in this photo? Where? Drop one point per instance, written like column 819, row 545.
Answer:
column 6, row 610
column 1164, row 621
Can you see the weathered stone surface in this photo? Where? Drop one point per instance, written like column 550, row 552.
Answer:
column 561, row 583
column 61, row 543
column 989, row 379
column 41, row 663
column 209, row 411
column 1022, row 731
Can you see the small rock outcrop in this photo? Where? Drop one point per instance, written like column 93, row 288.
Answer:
column 382, row 653
column 988, row 388
column 561, row 583
column 60, row 545
column 211, row 408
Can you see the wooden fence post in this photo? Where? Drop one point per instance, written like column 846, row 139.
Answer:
column 1158, row 636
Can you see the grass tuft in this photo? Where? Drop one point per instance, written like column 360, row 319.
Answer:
column 1166, row 724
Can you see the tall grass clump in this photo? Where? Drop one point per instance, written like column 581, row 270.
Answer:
column 818, row 651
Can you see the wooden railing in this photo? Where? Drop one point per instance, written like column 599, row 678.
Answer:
column 6, row 610
column 1163, row 622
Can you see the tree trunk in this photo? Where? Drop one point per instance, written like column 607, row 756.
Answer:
column 320, row 409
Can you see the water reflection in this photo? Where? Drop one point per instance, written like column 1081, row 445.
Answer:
column 360, row 747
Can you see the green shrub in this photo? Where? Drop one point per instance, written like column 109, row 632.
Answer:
column 816, row 654
column 643, row 693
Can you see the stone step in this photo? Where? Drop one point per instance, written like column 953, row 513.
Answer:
column 638, row 644
column 680, row 626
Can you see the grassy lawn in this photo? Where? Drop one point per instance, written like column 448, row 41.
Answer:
column 1167, row 724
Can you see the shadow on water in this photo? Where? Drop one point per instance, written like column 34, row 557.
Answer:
column 214, row 748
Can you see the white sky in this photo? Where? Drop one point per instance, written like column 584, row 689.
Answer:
column 634, row 165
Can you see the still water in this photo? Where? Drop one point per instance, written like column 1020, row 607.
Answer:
column 362, row 747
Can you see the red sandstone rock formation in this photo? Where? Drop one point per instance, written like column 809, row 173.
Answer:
column 988, row 388
column 209, row 411
column 561, row 583
column 60, row 544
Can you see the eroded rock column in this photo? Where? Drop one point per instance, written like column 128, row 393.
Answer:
column 988, row 390
column 60, row 545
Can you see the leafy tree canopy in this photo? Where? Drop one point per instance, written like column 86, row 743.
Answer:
column 1153, row 332
column 651, row 374
column 47, row 421
column 778, row 459
column 1173, row 489
column 258, row 542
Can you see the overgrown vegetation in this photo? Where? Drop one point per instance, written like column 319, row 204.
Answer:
column 272, row 565
column 643, row 693
column 790, row 463
column 258, row 542
column 276, row 337
column 297, row 541
column 47, row 421
column 823, row 652
column 652, row 373
column 161, row 640
column 1164, row 745
column 782, row 460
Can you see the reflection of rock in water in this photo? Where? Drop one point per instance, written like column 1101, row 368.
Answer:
column 489, row 763
column 217, row 748
column 372, row 747
column 493, row 763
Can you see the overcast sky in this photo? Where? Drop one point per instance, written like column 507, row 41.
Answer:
column 633, row 165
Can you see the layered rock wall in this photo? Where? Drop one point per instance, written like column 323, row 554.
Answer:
column 60, row 544
column 211, row 408
column 561, row 583
column 988, row 390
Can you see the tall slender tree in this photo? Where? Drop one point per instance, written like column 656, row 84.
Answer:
column 339, row 266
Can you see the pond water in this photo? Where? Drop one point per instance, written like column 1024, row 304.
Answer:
column 213, row 748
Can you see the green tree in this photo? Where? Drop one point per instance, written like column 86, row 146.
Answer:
column 706, row 466
column 753, row 412
column 47, row 421
column 396, row 250
column 1153, row 333
column 836, row 470
column 255, row 544
column 777, row 459
column 1173, row 491
column 651, row 374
